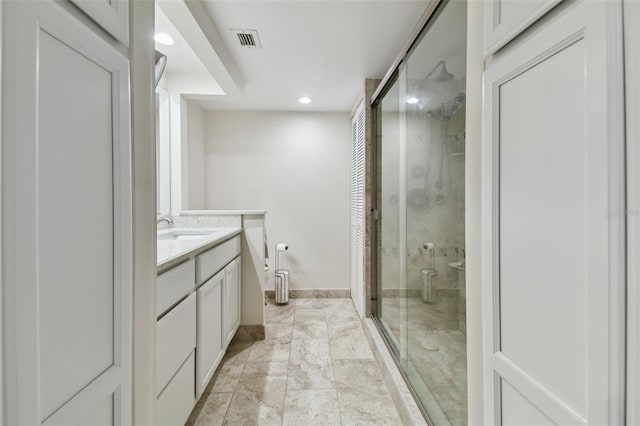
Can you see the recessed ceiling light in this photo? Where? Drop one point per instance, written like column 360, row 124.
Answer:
column 304, row 100
column 412, row 100
column 164, row 38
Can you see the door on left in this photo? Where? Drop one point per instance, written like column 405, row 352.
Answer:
column 66, row 198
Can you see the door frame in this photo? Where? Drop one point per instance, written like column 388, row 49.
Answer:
column 631, row 23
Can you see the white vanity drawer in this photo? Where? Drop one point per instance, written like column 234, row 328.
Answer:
column 176, row 339
column 212, row 261
column 175, row 284
column 174, row 405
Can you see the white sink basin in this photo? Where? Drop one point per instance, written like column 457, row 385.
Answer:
column 185, row 234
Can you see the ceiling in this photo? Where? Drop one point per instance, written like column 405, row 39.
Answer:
column 320, row 49
column 180, row 57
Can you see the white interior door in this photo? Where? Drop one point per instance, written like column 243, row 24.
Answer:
column 357, row 209
column 67, row 235
column 553, row 222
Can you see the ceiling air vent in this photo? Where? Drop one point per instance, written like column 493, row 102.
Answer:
column 247, row 38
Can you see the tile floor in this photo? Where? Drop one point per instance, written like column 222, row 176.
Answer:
column 315, row 367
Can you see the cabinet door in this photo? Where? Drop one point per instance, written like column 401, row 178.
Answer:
column 67, row 234
column 175, row 340
column 231, row 306
column 209, row 345
column 553, row 212
column 175, row 403
column 112, row 15
column 505, row 19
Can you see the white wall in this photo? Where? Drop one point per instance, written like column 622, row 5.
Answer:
column 297, row 167
column 193, row 156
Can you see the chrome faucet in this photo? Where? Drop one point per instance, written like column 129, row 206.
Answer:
column 167, row 218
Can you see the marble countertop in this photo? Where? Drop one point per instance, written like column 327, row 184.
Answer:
column 173, row 252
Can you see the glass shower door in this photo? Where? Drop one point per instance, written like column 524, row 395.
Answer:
column 435, row 123
column 420, row 196
column 391, row 301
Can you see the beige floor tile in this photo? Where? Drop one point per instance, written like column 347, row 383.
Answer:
column 210, row 410
column 310, row 351
column 314, row 362
column 340, row 310
column 278, row 331
column 310, row 303
column 310, row 365
column 278, row 314
column 348, row 348
column 311, row 407
column 249, row 407
column 310, row 376
column 264, row 376
column 358, row 374
column 225, row 379
column 269, row 350
column 237, row 353
column 309, row 315
column 308, row 329
column 345, row 328
column 358, row 407
column 347, row 341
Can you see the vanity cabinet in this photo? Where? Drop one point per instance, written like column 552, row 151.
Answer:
column 198, row 307
column 218, row 307
column 218, row 321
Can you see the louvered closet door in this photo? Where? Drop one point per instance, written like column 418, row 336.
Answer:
column 357, row 209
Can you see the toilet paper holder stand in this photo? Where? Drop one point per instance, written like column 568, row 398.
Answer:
column 281, row 284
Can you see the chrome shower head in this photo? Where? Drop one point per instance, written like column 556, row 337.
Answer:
column 444, row 74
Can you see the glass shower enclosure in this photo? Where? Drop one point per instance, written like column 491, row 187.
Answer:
column 419, row 238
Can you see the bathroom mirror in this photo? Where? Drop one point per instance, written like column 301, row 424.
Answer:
column 163, row 152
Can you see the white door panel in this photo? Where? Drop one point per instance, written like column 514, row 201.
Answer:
column 518, row 411
column 76, row 351
column 66, row 175
column 112, row 15
column 553, row 257
column 505, row 19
